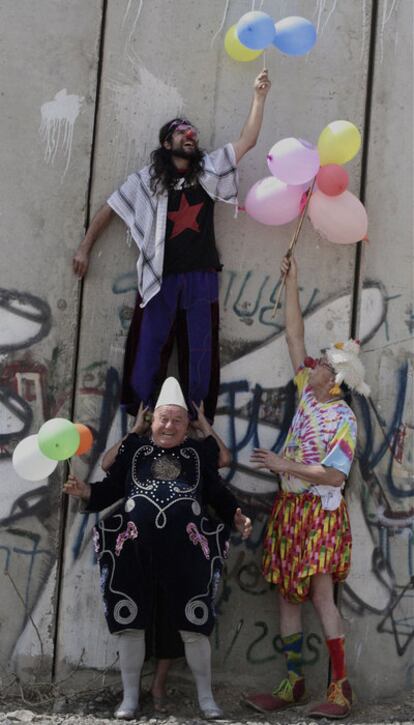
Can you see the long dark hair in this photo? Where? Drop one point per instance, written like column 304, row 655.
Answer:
column 346, row 393
column 163, row 172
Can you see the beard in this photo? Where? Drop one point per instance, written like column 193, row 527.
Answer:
column 186, row 153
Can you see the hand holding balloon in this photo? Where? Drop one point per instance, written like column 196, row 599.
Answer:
column 75, row 487
column 262, row 84
column 288, row 268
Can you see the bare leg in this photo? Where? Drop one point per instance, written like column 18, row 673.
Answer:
column 322, row 595
column 158, row 685
column 290, row 617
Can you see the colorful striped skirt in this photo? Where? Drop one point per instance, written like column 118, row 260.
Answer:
column 302, row 539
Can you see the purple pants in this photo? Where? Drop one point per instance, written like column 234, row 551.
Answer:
column 186, row 309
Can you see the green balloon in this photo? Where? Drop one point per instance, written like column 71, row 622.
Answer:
column 58, row 439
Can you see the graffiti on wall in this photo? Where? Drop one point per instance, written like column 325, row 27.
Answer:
column 27, row 551
column 256, row 405
column 254, row 412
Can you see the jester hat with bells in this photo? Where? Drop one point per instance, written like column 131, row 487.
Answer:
column 171, row 394
column 344, row 358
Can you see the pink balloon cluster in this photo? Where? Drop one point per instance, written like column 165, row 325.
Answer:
column 337, row 214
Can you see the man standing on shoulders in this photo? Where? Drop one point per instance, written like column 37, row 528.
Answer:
column 307, row 546
column 168, row 207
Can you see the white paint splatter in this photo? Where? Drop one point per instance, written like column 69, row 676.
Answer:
column 386, row 16
column 365, row 29
column 320, row 9
column 358, row 651
column 135, row 22
column 224, row 18
column 56, row 127
column 140, row 109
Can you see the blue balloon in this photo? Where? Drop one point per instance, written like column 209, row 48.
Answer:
column 294, row 35
column 256, row 30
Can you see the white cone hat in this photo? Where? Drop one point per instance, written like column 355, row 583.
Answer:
column 171, row 394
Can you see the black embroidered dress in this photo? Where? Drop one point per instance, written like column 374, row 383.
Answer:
column 161, row 547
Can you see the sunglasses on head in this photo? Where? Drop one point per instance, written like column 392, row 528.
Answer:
column 181, row 125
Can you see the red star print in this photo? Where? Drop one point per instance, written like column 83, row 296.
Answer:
column 185, row 217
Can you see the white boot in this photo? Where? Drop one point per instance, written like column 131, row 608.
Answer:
column 131, row 658
column 198, row 656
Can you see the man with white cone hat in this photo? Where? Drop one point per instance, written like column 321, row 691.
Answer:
column 161, row 545
column 307, row 546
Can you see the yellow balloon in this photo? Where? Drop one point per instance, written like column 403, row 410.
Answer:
column 236, row 50
column 338, row 143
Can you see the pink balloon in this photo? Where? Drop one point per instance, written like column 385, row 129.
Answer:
column 340, row 219
column 271, row 201
column 332, row 179
column 293, row 161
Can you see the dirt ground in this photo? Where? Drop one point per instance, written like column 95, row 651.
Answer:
column 96, row 707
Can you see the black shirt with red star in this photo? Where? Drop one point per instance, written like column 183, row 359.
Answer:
column 189, row 241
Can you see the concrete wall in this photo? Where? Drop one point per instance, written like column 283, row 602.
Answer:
column 133, row 65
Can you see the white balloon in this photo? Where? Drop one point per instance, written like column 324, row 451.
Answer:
column 29, row 461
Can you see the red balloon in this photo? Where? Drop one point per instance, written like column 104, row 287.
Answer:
column 332, row 179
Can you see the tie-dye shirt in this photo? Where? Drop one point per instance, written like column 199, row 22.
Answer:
column 323, row 433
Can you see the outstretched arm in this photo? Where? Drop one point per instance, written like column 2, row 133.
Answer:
column 251, row 128
column 295, row 329
column 100, row 221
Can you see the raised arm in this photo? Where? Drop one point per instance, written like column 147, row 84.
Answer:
column 98, row 224
column 295, row 329
column 251, row 128
column 140, row 426
column 206, row 429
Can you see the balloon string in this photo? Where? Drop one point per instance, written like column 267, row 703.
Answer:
column 291, row 248
column 264, row 60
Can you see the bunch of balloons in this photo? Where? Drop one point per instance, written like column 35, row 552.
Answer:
column 295, row 165
column 37, row 456
column 256, row 30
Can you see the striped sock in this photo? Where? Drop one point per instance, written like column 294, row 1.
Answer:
column 336, row 647
column 292, row 649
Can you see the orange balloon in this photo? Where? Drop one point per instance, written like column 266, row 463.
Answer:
column 86, row 439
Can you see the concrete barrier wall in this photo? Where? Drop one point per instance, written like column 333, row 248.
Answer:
column 148, row 62
column 48, row 85
column 378, row 599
